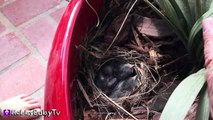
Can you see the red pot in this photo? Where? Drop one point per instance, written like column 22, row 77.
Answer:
column 63, row 61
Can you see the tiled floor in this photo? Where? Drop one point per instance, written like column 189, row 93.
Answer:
column 27, row 28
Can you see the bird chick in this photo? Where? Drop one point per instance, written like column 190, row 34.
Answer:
column 105, row 78
column 125, row 71
column 116, row 79
column 124, row 88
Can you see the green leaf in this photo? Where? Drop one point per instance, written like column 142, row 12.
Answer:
column 198, row 9
column 178, row 10
column 185, row 17
column 192, row 9
column 176, row 22
column 183, row 97
column 208, row 4
column 203, row 107
column 176, row 17
column 195, row 29
column 198, row 25
column 186, row 11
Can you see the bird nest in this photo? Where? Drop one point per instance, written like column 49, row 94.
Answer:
column 93, row 59
column 121, row 40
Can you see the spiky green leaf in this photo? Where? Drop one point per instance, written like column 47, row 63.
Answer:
column 183, row 97
column 197, row 27
column 186, row 11
column 203, row 107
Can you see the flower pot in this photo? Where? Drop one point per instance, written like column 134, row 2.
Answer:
column 60, row 86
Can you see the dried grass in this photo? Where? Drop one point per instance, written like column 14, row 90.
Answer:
column 94, row 52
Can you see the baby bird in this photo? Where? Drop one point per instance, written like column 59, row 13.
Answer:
column 116, row 79
column 106, row 78
column 124, row 88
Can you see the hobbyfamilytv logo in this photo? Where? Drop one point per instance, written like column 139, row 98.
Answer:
column 6, row 112
column 35, row 112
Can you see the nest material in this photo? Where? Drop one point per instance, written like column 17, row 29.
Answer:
column 130, row 46
column 92, row 57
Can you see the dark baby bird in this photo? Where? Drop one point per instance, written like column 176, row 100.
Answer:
column 116, row 79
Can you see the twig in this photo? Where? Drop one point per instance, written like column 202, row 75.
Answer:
column 121, row 26
column 115, row 104
column 148, row 112
column 144, row 36
column 137, row 38
column 148, row 40
column 172, row 62
column 94, row 12
column 80, row 47
column 136, row 90
column 84, row 93
column 137, row 48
